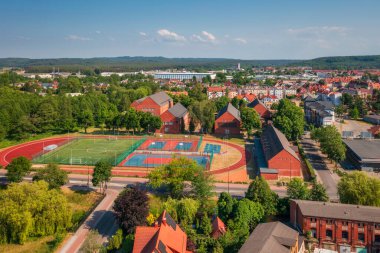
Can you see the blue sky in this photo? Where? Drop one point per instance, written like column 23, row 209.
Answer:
column 245, row 29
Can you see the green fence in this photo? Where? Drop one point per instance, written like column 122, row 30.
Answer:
column 129, row 151
column 199, row 143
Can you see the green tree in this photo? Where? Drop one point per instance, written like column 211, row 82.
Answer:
column 318, row 193
column 18, row 168
column 260, row 192
column 173, row 178
column 247, row 213
column 339, row 110
column 102, row 174
column 297, row 189
column 354, row 113
column 205, row 225
column 53, row 175
column 221, row 102
column 289, row 119
column 225, row 206
column 203, row 113
column 250, row 119
column 359, row 189
column 116, row 240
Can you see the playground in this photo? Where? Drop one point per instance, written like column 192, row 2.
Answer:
column 134, row 155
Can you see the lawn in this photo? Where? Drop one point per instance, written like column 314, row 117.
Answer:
column 81, row 202
column 87, row 151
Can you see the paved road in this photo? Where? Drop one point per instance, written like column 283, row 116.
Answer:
column 324, row 174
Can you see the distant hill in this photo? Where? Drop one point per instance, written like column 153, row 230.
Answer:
column 343, row 62
column 127, row 63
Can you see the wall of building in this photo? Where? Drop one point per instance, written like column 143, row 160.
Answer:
column 173, row 125
column 286, row 164
column 227, row 122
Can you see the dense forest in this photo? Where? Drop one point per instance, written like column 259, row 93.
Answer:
column 126, row 63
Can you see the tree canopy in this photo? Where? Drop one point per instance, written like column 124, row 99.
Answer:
column 102, row 174
column 53, row 175
column 289, row 118
column 259, row 191
column 18, row 168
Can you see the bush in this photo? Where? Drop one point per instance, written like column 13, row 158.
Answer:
column 116, row 240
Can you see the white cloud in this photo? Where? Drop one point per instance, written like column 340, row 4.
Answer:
column 205, row 37
column 241, row 41
column 170, row 36
column 76, row 38
column 318, row 30
column 143, row 34
column 98, row 32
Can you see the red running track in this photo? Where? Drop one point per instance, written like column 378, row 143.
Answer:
column 29, row 149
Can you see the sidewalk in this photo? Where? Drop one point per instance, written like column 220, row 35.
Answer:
column 75, row 242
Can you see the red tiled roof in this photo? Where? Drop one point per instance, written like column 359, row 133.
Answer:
column 165, row 235
column 215, row 89
column 218, row 227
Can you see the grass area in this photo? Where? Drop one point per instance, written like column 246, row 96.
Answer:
column 81, row 203
column 87, row 151
column 8, row 143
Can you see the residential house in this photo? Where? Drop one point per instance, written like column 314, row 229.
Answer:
column 216, row 92
column 218, row 228
column 269, row 100
column 228, row 121
column 260, row 108
column 175, row 120
column 319, row 113
column 338, row 227
column 156, row 104
column 164, row 237
column 273, row 237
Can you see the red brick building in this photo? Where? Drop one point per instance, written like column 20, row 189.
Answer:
column 156, row 104
column 164, row 236
column 228, row 121
column 339, row 227
column 175, row 120
column 260, row 108
column 280, row 156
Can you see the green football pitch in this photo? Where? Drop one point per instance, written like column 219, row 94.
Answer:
column 88, row 151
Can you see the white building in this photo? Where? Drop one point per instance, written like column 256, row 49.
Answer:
column 182, row 76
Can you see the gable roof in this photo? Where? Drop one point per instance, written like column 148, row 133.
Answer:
column 165, row 237
column 231, row 109
column 256, row 102
column 218, row 226
column 178, row 110
column 273, row 142
column 269, row 238
column 159, row 98
column 338, row 211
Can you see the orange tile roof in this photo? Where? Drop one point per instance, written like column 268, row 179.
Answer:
column 165, row 235
column 218, row 227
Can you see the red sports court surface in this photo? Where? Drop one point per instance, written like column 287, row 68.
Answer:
column 29, row 149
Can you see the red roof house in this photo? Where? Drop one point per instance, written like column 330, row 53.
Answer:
column 165, row 237
column 260, row 108
column 218, row 228
column 228, row 121
column 175, row 120
column 156, row 104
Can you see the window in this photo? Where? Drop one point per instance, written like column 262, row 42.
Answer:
column 344, row 223
column 313, row 220
column 345, row 235
column 329, row 222
column 313, row 233
column 328, row 233
column 360, row 225
column 377, row 238
column 361, row 237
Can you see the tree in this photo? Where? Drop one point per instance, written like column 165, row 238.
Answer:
column 182, row 210
column 225, row 206
column 18, row 168
column 131, row 208
column 318, row 193
column 221, row 102
column 32, row 210
column 102, row 174
column 53, row 175
column 331, row 143
column 173, row 177
column 359, row 189
column 289, row 119
column 203, row 113
column 116, row 240
column 354, row 113
column 205, row 225
column 339, row 110
column 260, row 192
column 92, row 244
column 250, row 119
column 247, row 213
column 297, row 189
